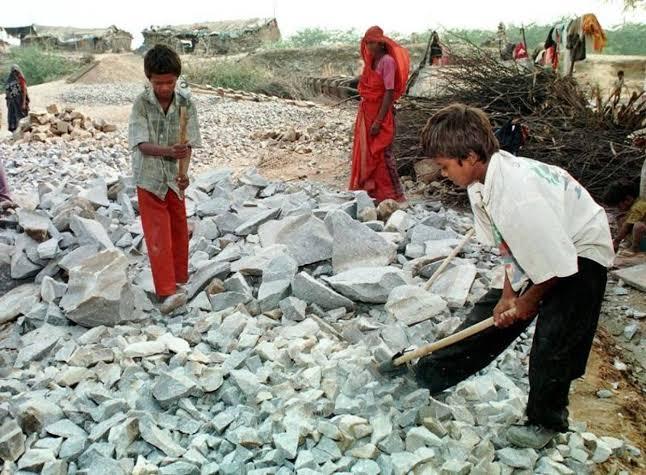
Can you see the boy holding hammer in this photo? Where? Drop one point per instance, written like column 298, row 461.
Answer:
column 556, row 245
column 163, row 130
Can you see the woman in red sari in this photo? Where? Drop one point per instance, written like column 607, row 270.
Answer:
column 383, row 81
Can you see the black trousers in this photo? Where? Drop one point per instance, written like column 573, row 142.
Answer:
column 565, row 327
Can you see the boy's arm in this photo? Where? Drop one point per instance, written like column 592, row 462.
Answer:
column 526, row 306
column 138, row 136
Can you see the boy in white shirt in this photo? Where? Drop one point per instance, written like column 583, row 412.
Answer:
column 556, row 245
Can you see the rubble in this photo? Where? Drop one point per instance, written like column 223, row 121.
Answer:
column 67, row 125
column 293, row 291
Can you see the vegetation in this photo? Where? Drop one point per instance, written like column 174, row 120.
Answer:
column 625, row 39
column 226, row 74
column 38, row 65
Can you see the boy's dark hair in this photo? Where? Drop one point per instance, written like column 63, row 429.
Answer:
column 620, row 73
column 619, row 191
column 161, row 59
column 456, row 131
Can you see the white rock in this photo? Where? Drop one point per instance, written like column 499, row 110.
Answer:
column 410, row 304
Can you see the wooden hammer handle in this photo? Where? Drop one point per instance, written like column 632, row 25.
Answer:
column 448, row 259
column 183, row 126
column 444, row 342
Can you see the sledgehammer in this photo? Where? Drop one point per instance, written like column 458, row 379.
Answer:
column 393, row 365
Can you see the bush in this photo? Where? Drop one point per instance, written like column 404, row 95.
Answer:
column 227, row 74
column 40, row 66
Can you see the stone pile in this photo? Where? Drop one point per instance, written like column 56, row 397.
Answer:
column 227, row 128
column 66, row 124
column 293, row 293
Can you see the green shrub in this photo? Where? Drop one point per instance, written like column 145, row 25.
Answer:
column 227, row 74
column 40, row 66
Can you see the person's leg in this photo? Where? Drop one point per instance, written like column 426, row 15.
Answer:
column 5, row 194
column 179, row 236
column 157, row 233
column 639, row 235
column 447, row 367
column 565, row 329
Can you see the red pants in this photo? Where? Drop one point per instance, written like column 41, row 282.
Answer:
column 166, row 234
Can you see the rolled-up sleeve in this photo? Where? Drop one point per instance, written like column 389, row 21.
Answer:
column 193, row 127
column 137, row 125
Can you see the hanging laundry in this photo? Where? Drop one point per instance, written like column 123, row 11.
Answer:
column 520, row 52
column 591, row 27
column 575, row 40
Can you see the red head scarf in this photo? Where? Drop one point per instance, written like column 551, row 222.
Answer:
column 394, row 49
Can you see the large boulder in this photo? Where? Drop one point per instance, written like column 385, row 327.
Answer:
column 356, row 245
column 306, row 237
column 99, row 291
column 368, row 284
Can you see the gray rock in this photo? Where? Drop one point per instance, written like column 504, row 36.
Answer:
column 214, row 207
column 99, row 291
column 72, row 448
column 34, row 414
column 172, row 386
column 421, row 437
column 179, row 468
column 22, row 265
column 143, row 349
column 287, row 441
column 368, row 284
column 51, row 289
column 209, row 180
column 399, row 222
column 276, row 281
column 228, row 222
column 310, row 290
column 454, row 284
column 366, row 210
column 18, row 301
column 252, row 178
column 159, row 438
column 355, row 244
column 66, row 211
column 205, row 275
column 96, row 193
column 410, row 304
column 421, row 233
column 256, row 264
column 227, row 300
column 89, row 355
column 77, row 256
column 12, row 441
column 66, row 429
column 456, row 467
column 306, row 237
column 36, row 350
column 72, row 376
column 246, row 381
column 48, row 249
column 56, row 467
column 238, row 283
column 89, row 231
column 630, row 330
column 34, row 459
column 518, row 458
column 36, row 224
column 403, row 462
column 122, row 435
column 602, row 452
column 250, row 226
column 293, row 309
